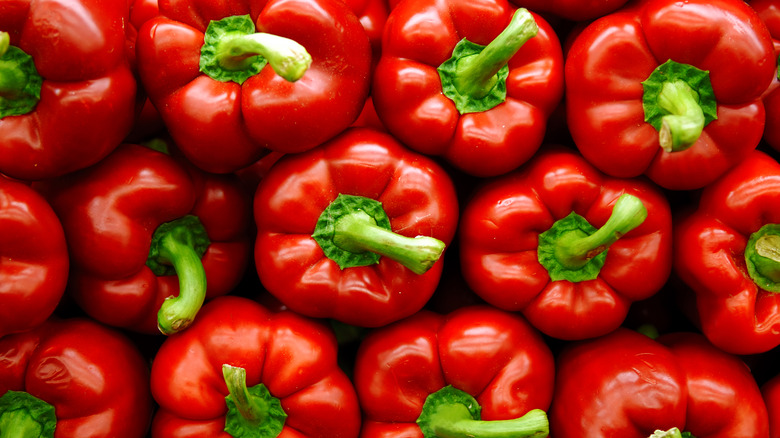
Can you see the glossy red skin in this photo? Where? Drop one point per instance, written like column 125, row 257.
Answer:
column 372, row 15
column 295, row 357
column 416, row 193
column 771, row 392
column 419, row 36
column 629, row 385
column 88, row 94
column 266, row 112
column 573, row 10
column 499, row 231
column 495, row 356
column 735, row 314
column 610, row 58
column 94, row 376
column 34, row 266
column 769, row 11
column 109, row 213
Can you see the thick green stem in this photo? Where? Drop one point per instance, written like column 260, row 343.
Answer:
column 671, row 433
column 253, row 409
column 358, row 232
column 476, row 74
column 574, row 250
column 251, row 412
column 762, row 257
column 286, row 57
column 5, row 41
column 448, row 422
column 25, row 416
column 685, row 122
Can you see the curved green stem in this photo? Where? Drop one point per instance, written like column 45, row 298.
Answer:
column 685, row 122
column 251, row 412
column 476, row 75
column 23, row 415
column 286, row 57
column 253, row 409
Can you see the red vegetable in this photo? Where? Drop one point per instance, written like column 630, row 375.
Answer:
column 34, row 266
column 486, row 115
column 146, row 232
column 476, row 362
column 73, row 378
column 242, row 368
column 628, row 385
column 529, row 243
column 724, row 253
column 771, row 393
column 573, row 10
column 68, row 92
column 670, row 89
column 769, row 11
column 354, row 229
column 299, row 76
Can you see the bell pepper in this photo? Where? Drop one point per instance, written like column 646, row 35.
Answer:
column 566, row 245
column 355, row 229
column 470, row 373
column 73, row 378
column 628, row 385
column 34, row 267
column 670, row 89
column 473, row 83
column 284, row 75
column 723, row 254
column 242, row 370
column 67, row 95
column 771, row 392
column 573, row 10
column 151, row 237
column 769, row 11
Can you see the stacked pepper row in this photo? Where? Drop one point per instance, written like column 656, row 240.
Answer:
column 378, row 218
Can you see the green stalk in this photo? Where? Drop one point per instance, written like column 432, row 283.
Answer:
column 762, row 257
column 252, row 412
column 685, row 122
column 25, row 416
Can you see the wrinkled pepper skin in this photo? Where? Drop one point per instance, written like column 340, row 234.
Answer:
column 294, row 357
column 771, row 392
column 417, row 195
column 610, row 59
column 34, row 267
column 88, row 90
column 495, row 356
column 769, row 11
column 94, row 376
column 500, row 231
column 407, row 88
column 736, row 313
column 629, row 385
column 266, row 111
column 110, row 213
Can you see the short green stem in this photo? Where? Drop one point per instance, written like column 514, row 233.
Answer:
column 762, row 257
column 476, row 74
column 286, row 57
column 574, row 249
column 5, row 42
column 358, row 232
column 25, row 416
column 671, row 433
column 253, row 409
column 251, row 412
column 685, row 122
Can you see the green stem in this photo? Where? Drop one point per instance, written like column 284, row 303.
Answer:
column 476, row 75
column 286, row 57
column 23, row 416
column 762, row 257
column 357, row 232
column 671, row 433
column 251, row 412
column 448, row 423
column 5, row 41
column 685, row 122
column 253, row 409
column 574, row 250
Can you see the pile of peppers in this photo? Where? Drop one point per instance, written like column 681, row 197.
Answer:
column 389, row 218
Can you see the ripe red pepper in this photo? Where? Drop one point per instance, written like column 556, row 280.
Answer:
column 670, row 89
column 299, row 75
column 73, row 378
column 529, row 243
column 67, row 95
column 723, row 252
column 769, row 11
column 771, row 392
column 628, row 385
column 490, row 361
column 146, row 231
column 471, row 82
column 354, row 229
column 34, row 267
column 241, row 367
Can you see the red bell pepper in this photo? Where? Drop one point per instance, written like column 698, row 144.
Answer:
column 771, row 392
column 298, row 75
column 628, row 385
column 34, row 267
column 573, row 10
column 67, row 94
column 493, row 363
column 769, row 11
column 243, row 368
column 354, row 229
column 723, row 253
column 566, row 245
column 485, row 116
column 670, row 89
column 73, row 378
column 147, row 232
